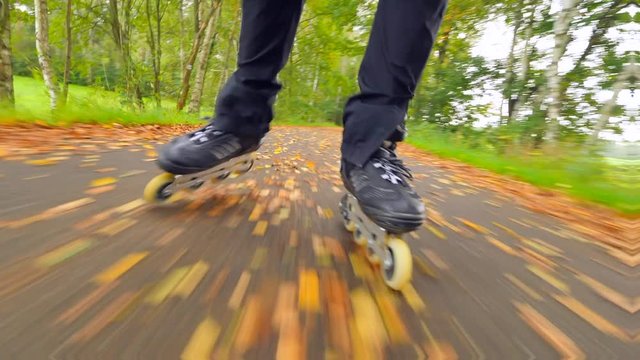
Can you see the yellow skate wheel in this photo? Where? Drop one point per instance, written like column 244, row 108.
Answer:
column 359, row 237
column 397, row 267
column 155, row 191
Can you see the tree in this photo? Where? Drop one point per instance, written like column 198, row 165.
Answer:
column 203, row 60
column 188, row 68
column 44, row 50
column 604, row 20
column 510, row 75
column 230, row 47
column 6, row 67
column 630, row 74
column 520, row 97
column 155, row 44
column 67, row 58
column 121, row 28
column 561, row 40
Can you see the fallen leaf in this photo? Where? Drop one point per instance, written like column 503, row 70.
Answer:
column 103, row 181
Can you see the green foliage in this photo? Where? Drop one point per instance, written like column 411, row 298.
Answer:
column 321, row 74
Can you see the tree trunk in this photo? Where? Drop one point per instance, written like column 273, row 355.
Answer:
column 227, row 56
column 188, row 68
column 605, row 22
column 630, row 74
column 6, row 68
column 196, row 17
column 121, row 35
column 43, row 48
column 203, row 60
column 67, row 58
column 158, row 61
column 561, row 38
column 519, row 101
column 153, row 38
column 181, row 19
column 90, row 71
column 508, row 83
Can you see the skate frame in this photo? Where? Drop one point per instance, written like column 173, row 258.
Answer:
column 375, row 235
column 242, row 164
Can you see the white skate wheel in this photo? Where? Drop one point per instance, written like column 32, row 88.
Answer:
column 397, row 267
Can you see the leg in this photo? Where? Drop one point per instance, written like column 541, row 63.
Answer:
column 244, row 106
column 381, row 204
column 243, row 109
column 401, row 39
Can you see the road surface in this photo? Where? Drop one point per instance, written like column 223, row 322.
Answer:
column 260, row 267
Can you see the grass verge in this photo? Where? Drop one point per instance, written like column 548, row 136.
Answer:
column 591, row 178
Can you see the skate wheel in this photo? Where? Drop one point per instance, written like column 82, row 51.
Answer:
column 359, row 237
column 156, row 189
column 398, row 264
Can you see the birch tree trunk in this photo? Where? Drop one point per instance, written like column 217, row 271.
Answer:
column 630, row 73
column 605, row 22
column 44, row 52
column 561, row 39
column 6, row 68
column 227, row 56
column 509, row 81
column 516, row 105
column 188, row 68
column 203, row 60
column 67, row 58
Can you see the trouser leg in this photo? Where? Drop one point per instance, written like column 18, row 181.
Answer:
column 401, row 40
column 245, row 104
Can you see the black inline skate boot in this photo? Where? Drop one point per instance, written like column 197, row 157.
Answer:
column 204, row 149
column 383, row 190
column 191, row 159
column 379, row 207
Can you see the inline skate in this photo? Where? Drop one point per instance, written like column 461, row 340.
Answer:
column 379, row 207
column 204, row 155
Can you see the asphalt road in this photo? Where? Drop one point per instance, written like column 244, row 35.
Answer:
column 260, row 267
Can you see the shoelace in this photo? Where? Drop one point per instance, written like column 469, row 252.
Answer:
column 393, row 167
column 201, row 135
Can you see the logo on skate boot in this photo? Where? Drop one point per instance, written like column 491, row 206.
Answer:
column 388, row 175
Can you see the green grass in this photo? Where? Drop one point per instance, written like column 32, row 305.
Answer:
column 85, row 105
column 590, row 178
column 95, row 105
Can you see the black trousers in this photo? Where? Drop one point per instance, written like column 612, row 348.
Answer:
column 401, row 39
